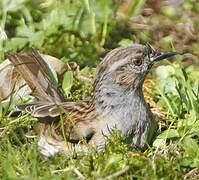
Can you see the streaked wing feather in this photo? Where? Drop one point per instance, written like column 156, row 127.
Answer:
column 43, row 109
column 34, row 70
column 80, row 112
column 36, row 109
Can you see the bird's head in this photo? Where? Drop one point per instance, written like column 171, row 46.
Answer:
column 129, row 64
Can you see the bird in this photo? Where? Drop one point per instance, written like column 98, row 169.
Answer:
column 117, row 103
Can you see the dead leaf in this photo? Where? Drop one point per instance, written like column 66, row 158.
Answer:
column 11, row 80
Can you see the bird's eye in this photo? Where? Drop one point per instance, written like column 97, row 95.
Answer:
column 137, row 62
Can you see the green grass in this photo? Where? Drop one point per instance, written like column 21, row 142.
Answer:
column 61, row 29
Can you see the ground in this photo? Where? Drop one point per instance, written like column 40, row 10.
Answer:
column 80, row 33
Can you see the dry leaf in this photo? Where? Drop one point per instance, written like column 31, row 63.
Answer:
column 11, row 80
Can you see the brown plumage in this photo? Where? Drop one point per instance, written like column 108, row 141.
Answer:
column 51, row 102
column 35, row 72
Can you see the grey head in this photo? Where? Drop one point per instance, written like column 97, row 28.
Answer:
column 123, row 71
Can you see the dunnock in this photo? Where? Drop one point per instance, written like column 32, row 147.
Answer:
column 118, row 101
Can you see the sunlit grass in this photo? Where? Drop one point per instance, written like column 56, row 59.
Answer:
column 82, row 31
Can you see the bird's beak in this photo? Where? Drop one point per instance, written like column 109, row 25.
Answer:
column 162, row 55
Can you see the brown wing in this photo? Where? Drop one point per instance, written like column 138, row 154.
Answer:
column 35, row 72
column 77, row 115
column 77, row 118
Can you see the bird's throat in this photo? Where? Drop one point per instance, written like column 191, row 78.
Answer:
column 115, row 98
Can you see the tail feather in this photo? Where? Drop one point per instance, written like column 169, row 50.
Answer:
column 35, row 72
